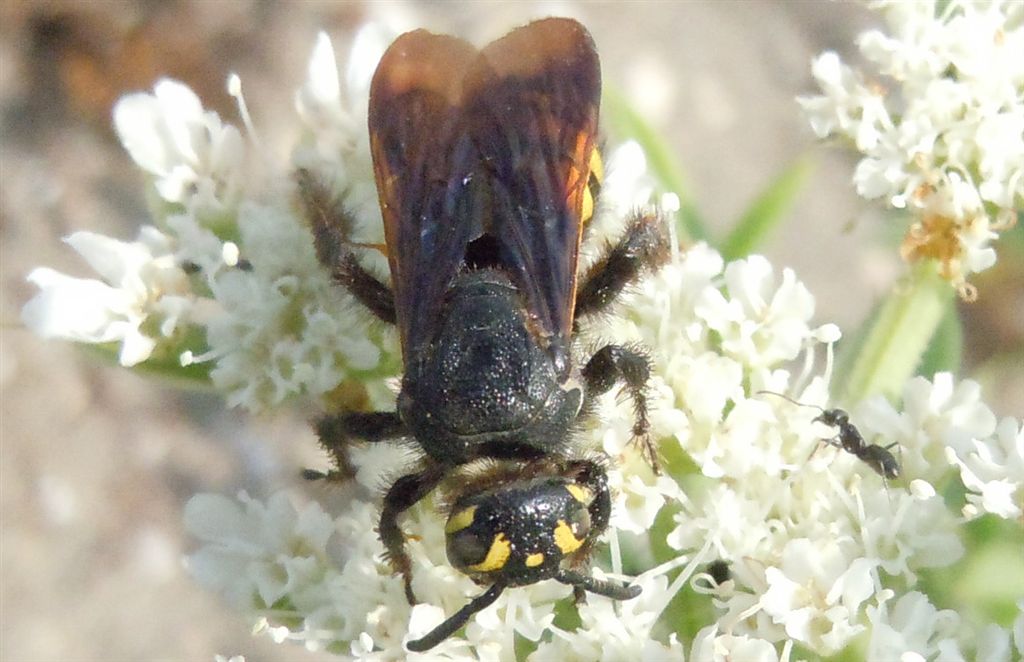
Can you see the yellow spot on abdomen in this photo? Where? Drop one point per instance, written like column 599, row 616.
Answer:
column 460, row 520
column 581, row 494
column 534, row 560
column 497, row 555
column 564, row 538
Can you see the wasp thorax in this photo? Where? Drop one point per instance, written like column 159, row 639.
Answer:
column 520, row 532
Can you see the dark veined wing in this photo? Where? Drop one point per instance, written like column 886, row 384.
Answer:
column 425, row 163
column 533, row 97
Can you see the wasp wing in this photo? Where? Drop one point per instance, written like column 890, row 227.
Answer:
column 424, row 161
column 533, row 99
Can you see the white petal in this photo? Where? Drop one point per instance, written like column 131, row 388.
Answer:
column 76, row 309
column 136, row 120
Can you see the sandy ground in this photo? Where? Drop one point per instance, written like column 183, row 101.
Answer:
column 97, row 462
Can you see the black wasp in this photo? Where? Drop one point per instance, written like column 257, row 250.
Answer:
column 849, row 438
column 487, row 170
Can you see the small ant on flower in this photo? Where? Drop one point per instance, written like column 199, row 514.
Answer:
column 849, row 438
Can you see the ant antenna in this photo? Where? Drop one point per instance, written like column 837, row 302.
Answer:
column 786, row 397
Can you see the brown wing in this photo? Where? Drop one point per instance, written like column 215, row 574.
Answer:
column 424, row 162
column 497, row 142
column 533, row 98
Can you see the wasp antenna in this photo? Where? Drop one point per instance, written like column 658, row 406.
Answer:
column 312, row 474
column 786, row 397
column 456, row 621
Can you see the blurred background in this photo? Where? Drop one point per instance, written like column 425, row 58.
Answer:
column 97, row 462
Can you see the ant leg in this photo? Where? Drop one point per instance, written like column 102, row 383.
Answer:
column 332, row 226
column 644, row 246
column 613, row 363
column 608, row 589
column 456, row 620
column 338, row 431
column 401, row 496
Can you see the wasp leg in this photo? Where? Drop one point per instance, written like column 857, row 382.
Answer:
column 608, row 589
column 645, row 246
column 456, row 620
column 611, row 364
column 402, row 495
column 332, row 226
column 365, row 287
column 338, row 431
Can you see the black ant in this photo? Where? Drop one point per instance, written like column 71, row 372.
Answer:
column 849, row 438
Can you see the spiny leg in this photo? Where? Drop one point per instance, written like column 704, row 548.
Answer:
column 644, row 246
column 338, row 431
column 614, row 363
column 456, row 620
column 402, row 495
column 332, row 227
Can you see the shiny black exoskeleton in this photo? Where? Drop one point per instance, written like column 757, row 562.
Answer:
column 487, row 170
column 523, row 522
column 483, row 386
column 849, row 438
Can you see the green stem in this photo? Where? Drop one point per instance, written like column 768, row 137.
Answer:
column 899, row 336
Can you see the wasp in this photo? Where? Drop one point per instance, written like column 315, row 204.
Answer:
column 487, row 168
column 849, row 438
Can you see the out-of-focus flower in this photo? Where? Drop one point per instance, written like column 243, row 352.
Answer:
column 940, row 125
column 195, row 159
column 143, row 299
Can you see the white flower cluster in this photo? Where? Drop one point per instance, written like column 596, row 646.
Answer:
column 143, row 298
column 946, row 426
column 230, row 279
column 822, row 554
column 942, row 134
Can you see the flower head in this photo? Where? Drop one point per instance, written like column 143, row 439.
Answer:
column 941, row 129
column 142, row 301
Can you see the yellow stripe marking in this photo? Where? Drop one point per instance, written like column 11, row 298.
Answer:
column 534, row 560
column 564, row 538
column 460, row 520
column 497, row 555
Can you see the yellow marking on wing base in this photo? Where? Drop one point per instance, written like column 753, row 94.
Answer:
column 596, row 165
column 534, row 560
column 497, row 555
column 460, row 520
column 580, row 493
column 587, row 210
column 564, row 538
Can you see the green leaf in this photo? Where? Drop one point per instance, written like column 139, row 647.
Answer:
column 626, row 124
column 767, row 210
column 898, row 335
